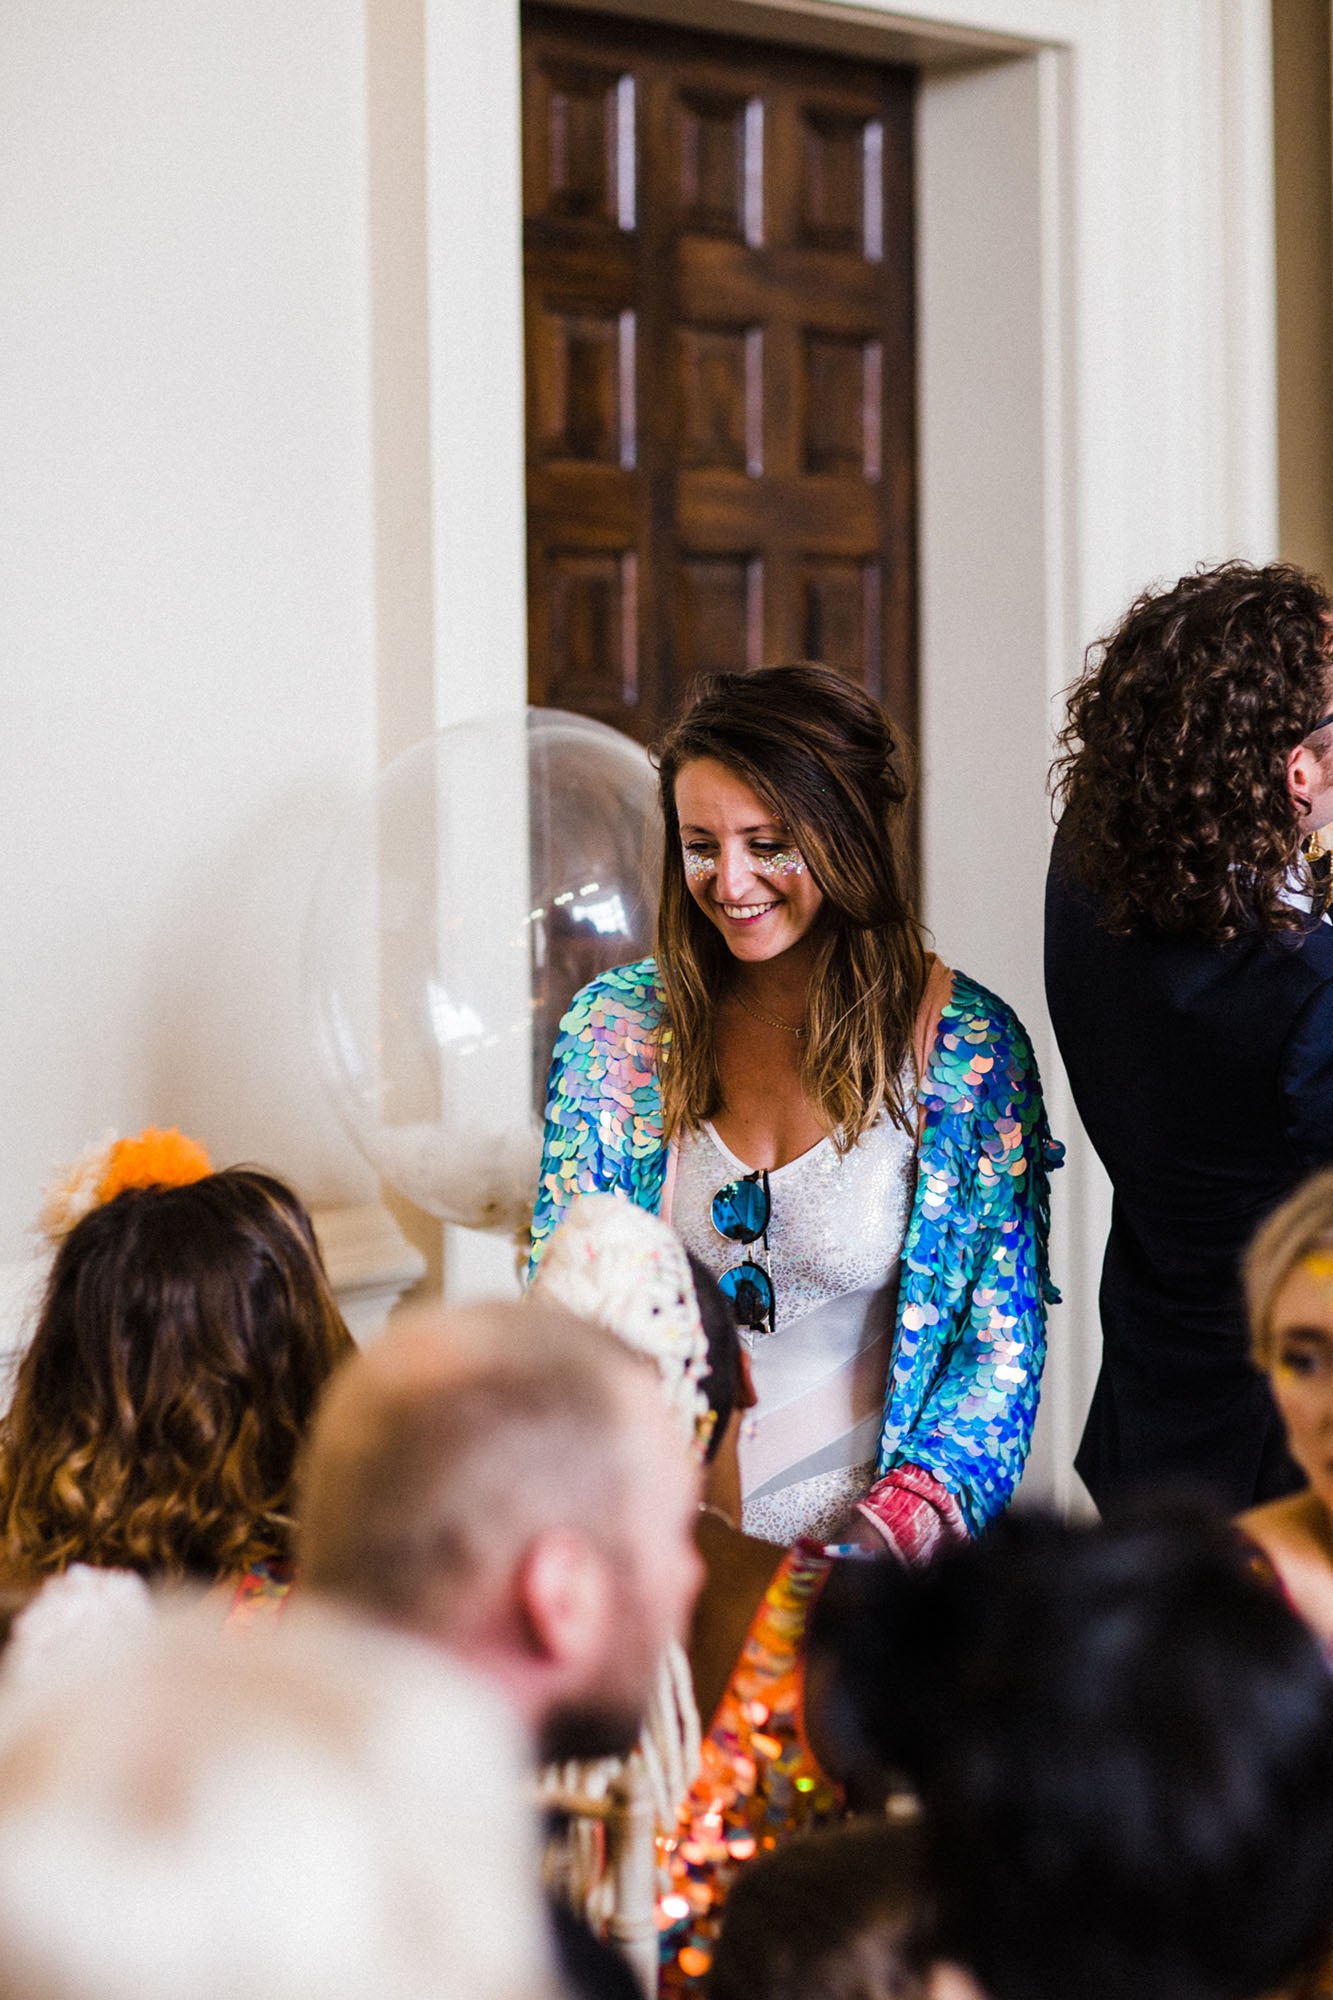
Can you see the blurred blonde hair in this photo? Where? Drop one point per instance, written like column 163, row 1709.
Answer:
column 315, row 1811
column 1303, row 1223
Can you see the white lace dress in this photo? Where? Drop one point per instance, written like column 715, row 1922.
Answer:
column 835, row 1235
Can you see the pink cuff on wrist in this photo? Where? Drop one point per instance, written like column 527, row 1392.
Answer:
column 913, row 1514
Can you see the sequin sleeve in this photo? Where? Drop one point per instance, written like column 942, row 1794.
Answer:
column 975, row 1283
column 603, row 1110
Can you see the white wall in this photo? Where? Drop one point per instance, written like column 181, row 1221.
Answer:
column 186, row 675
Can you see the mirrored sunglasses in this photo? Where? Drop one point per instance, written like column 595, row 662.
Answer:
column 741, row 1210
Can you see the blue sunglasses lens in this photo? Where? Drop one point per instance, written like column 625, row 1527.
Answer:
column 750, row 1290
column 740, row 1211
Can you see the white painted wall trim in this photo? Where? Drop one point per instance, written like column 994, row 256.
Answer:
column 475, row 284
column 370, row 1264
column 474, row 294
column 996, row 527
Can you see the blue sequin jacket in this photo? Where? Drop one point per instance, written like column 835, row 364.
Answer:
column 974, row 1282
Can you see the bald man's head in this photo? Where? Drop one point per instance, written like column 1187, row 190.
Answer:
column 505, row 1480
column 439, row 1450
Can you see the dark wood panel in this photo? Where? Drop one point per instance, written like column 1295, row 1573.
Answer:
column 830, row 516
column 718, row 153
column 790, row 282
column 720, row 387
column 841, row 616
column 842, row 155
column 721, row 354
column 579, row 141
column 720, row 611
column 841, row 416
column 584, row 386
column 586, row 506
column 591, row 601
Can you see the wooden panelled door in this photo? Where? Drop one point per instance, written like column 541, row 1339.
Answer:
column 720, row 365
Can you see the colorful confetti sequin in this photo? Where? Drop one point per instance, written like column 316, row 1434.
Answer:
column 971, row 1333
column 758, row 1783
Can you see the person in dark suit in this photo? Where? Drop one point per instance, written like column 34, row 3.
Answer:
column 1189, row 974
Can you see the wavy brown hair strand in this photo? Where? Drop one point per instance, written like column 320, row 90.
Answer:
column 183, row 1343
column 830, row 766
column 1171, row 774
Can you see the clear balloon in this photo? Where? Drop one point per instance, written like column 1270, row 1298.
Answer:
column 490, row 872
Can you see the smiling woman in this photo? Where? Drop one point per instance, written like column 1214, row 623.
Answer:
column 847, row 1135
column 741, row 866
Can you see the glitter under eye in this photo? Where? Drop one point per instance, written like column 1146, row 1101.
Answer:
column 787, row 861
column 699, row 867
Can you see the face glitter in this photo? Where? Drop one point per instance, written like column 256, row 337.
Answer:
column 787, row 861
column 784, row 861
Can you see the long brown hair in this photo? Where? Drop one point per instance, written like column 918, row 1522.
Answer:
column 826, row 761
column 184, row 1339
column 1172, row 768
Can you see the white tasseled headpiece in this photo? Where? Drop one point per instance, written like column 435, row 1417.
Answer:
column 625, row 1269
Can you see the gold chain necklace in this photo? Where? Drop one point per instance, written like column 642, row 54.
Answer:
column 769, row 1020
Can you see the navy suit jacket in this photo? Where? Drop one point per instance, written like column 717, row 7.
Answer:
column 1204, row 1077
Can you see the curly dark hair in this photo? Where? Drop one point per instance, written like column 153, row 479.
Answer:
column 1171, row 776
column 183, row 1343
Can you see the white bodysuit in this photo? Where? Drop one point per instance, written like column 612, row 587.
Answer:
column 835, row 1235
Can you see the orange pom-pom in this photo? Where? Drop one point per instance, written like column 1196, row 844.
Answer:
column 153, row 1159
